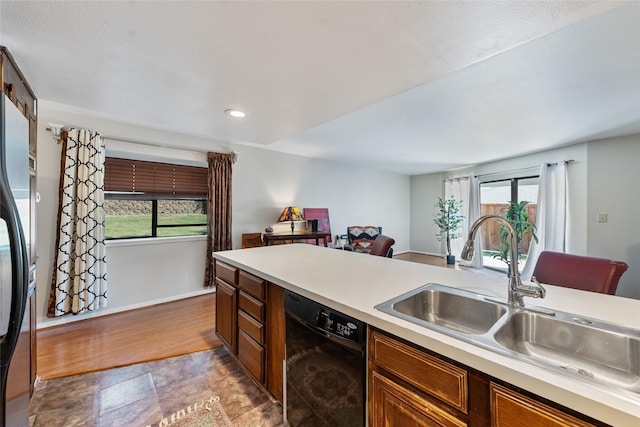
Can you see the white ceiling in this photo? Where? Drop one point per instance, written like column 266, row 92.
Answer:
column 410, row 87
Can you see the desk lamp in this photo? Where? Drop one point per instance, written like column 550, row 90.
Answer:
column 291, row 213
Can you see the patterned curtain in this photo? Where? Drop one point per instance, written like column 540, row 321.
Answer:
column 218, row 209
column 79, row 282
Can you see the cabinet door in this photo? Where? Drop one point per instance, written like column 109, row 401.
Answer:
column 226, row 314
column 440, row 379
column 251, row 355
column 512, row 409
column 393, row 405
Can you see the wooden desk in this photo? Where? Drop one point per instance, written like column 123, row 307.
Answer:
column 297, row 235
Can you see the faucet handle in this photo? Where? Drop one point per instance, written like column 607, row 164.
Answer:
column 542, row 291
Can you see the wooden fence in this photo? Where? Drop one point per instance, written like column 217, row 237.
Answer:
column 491, row 230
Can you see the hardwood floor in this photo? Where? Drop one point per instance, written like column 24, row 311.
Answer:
column 122, row 339
column 438, row 261
column 142, row 335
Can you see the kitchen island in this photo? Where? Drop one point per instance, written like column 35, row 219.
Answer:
column 355, row 283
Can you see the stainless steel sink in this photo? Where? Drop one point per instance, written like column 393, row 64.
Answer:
column 445, row 307
column 583, row 348
column 604, row 353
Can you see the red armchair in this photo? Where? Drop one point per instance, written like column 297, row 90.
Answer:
column 382, row 246
column 579, row 272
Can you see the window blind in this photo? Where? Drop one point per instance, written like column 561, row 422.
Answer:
column 137, row 176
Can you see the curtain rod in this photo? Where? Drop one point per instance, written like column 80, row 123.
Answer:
column 566, row 162
column 150, row 144
column 530, row 168
column 56, row 131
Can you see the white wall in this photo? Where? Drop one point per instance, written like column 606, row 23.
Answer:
column 264, row 182
column 425, row 189
column 613, row 179
column 603, row 178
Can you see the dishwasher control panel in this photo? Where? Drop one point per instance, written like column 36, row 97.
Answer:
column 321, row 317
column 338, row 324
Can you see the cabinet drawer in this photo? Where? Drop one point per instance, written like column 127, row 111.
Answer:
column 252, row 285
column 394, row 405
column 251, row 355
column 251, row 306
column 434, row 376
column 251, row 326
column 512, row 409
column 227, row 272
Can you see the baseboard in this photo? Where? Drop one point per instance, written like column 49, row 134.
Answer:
column 411, row 251
column 49, row 323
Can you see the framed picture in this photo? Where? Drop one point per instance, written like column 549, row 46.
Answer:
column 322, row 215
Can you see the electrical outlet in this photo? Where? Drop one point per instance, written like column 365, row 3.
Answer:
column 602, row 217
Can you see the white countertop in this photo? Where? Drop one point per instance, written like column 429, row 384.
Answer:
column 354, row 283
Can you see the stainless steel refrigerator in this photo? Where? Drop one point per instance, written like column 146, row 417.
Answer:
column 14, row 264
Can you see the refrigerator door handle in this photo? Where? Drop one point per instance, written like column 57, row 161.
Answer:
column 18, row 253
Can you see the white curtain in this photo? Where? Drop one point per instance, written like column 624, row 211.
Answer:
column 466, row 190
column 79, row 282
column 551, row 214
column 474, row 214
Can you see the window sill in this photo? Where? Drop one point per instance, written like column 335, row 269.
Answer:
column 153, row 241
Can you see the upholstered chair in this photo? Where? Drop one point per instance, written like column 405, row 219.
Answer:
column 382, row 246
column 579, row 272
column 361, row 237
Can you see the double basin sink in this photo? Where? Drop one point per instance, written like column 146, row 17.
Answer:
column 583, row 348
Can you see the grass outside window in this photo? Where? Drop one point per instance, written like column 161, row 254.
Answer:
column 169, row 220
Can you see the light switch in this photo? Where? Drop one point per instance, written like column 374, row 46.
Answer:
column 602, row 217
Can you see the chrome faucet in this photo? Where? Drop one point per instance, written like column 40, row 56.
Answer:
column 517, row 290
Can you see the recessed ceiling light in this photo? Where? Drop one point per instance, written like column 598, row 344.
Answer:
column 235, row 113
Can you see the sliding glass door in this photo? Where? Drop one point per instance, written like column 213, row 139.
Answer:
column 494, row 199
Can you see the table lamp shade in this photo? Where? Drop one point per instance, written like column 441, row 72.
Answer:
column 291, row 213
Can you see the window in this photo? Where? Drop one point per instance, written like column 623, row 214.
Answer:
column 494, row 199
column 150, row 199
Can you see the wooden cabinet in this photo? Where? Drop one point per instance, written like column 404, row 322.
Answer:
column 251, row 317
column 251, row 306
column 276, row 326
column 251, row 327
column 512, row 409
column 250, row 322
column 440, row 379
column 226, row 305
column 251, row 355
column 394, row 405
column 412, row 386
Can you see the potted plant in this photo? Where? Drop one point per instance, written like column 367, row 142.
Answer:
column 448, row 219
column 516, row 214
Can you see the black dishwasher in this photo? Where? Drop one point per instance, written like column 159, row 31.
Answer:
column 325, row 366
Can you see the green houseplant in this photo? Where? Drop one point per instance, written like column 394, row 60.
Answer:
column 516, row 214
column 448, row 219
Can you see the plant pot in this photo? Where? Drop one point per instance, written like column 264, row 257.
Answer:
column 451, row 259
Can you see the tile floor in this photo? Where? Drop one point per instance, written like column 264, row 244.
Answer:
column 141, row 395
